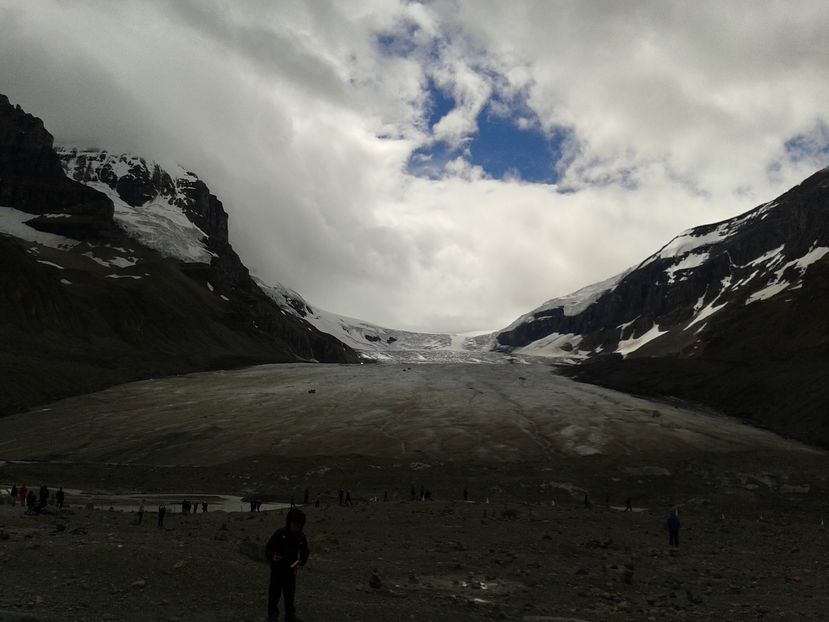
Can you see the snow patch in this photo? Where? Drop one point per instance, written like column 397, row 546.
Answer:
column 49, row 263
column 554, row 345
column 161, row 225
column 694, row 260
column 627, row 346
column 13, row 222
column 779, row 284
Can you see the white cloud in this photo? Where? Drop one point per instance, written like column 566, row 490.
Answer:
column 678, row 114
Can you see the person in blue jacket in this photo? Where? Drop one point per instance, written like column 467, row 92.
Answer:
column 673, row 528
column 286, row 550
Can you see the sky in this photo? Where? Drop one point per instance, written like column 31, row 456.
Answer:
column 445, row 165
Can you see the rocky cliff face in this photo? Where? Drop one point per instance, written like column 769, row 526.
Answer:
column 32, row 180
column 120, row 272
column 733, row 315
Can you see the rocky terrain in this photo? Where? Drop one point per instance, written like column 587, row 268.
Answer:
column 752, row 546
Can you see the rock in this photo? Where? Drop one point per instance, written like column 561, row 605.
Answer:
column 140, row 584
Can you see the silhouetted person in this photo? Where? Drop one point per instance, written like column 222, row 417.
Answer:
column 31, row 501
column 607, row 501
column 286, row 550
column 306, row 496
column 13, row 494
column 422, row 493
column 195, row 507
column 141, row 511
column 341, row 497
column 413, row 492
column 427, row 495
column 252, row 504
column 258, row 505
column 185, row 507
column 162, row 510
column 204, row 506
column 293, row 505
column 317, row 501
column 44, row 496
column 348, row 498
column 628, row 506
column 465, row 494
column 59, row 497
column 385, row 496
column 23, row 495
column 673, row 524
column 587, row 502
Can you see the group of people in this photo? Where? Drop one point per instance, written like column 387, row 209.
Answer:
column 187, row 507
column 35, row 502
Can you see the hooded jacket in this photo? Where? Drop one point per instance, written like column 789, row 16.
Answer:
column 289, row 546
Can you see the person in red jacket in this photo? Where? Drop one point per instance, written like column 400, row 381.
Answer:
column 23, row 492
column 286, row 550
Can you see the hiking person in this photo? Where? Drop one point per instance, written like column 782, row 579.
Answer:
column 306, row 496
column 348, row 497
column 587, row 502
column 465, row 494
column 204, row 506
column 14, row 494
column 44, row 495
column 628, row 506
column 31, row 501
column 341, row 497
column 162, row 510
column 413, row 492
column 317, row 501
column 140, row 511
column 673, row 524
column 59, row 497
column 286, row 550
column 23, row 495
column 293, row 505
column 385, row 496
column 252, row 504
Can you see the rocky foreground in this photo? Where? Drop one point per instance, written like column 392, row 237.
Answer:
column 753, row 543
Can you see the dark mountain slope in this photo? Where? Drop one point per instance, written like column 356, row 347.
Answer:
column 84, row 304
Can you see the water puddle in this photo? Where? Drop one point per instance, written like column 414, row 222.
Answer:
column 101, row 500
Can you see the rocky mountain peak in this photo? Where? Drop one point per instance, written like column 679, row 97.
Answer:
column 138, row 182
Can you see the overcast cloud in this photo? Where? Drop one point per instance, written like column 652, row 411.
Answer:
column 303, row 116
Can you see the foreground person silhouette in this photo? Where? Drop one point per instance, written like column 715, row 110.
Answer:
column 287, row 549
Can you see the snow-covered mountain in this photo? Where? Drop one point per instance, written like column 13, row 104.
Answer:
column 381, row 344
column 734, row 315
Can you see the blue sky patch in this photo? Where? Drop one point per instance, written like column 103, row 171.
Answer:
column 508, row 144
column 814, row 145
column 505, row 150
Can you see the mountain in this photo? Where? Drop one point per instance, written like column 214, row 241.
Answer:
column 117, row 270
column 381, row 344
column 733, row 315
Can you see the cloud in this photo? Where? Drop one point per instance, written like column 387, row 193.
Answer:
column 304, row 117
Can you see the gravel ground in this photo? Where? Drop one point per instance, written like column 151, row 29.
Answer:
column 752, row 544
